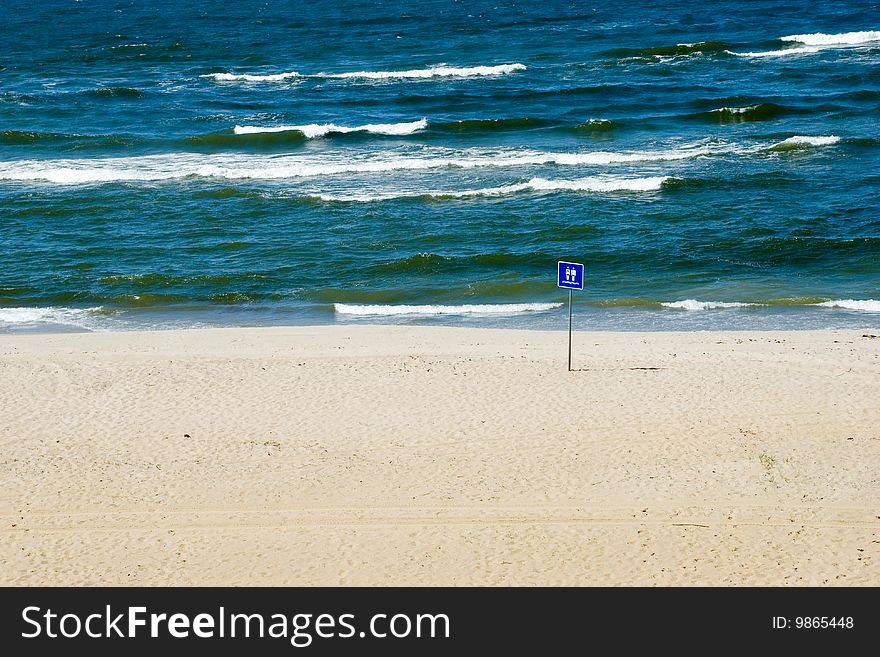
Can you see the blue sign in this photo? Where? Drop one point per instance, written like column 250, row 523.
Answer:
column 570, row 275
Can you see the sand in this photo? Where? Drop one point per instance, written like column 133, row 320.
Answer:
column 375, row 455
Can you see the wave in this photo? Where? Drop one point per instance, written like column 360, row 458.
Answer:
column 813, row 43
column 51, row 315
column 314, row 130
column 757, row 112
column 432, row 72
column 28, row 137
column 490, row 125
column 247, row 77
column 252, row 135
column 518, row 95
column 254, row 167
column 428, row 263
column 466, row 309
column 596, row 125
column 693, row 304
column 69, row 141
column 229, row 139
column 114, row 92
column 846, row 38
column 866, row 305
column 422, row 73
column 596, row 184
column 700, row 48
column 799, row 142
column 785, row 52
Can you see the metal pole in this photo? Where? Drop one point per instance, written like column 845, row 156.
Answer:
column 569, row 330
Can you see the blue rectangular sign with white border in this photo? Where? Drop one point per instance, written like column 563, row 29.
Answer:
column 570, row 275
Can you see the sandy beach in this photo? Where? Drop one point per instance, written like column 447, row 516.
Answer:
column 377, row 455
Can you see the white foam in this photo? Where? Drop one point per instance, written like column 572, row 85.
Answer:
column 806, row 50
column 234, row 166
column 593, row 184
column 420, row 73
column 246, row 77
column 314, row 130
column 50, row 315
column 801, row 140
column 865, row 305
column 432, row 72
column 846, row 38
column 693, row 304
column 813, row 43
column 466, row 309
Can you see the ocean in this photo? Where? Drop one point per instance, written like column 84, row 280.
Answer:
column 714, row 164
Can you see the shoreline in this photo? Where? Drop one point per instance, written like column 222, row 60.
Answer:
column 654, row 316
column 554, row 325
column 376, row 454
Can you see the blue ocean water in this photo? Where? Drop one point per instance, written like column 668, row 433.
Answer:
column 714, row 164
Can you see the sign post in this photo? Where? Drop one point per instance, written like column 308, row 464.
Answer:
column 569, row 275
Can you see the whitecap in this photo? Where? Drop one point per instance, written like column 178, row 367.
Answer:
column 247, row 77
column 314, row 130
column 785, row 52
column 803, row 141
column 432, row 72
column 845, row 38
column 813, row 43
column 420, row 73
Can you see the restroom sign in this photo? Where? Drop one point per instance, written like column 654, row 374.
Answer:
column 570, row 275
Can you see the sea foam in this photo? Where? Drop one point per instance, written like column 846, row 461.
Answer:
column 786, row 52
column 48, row 315
column 314, row 130
column 466, row 309
column 813, row 43
column 432, row 72
column 260, row 167
column 246, row 77
column 865, row 305
column 844, row 39
column 420, row 73
column 693, row 304
column 592, row 184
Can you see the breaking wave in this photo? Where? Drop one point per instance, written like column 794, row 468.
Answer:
column 693, row 304
column 866, row 305
column 844, row 39
column 79, row 317
column 466, row 309
column 757, row 112
column 594, row 184
column 799, row 141
column 314, row 130
column 813, row 43
column 700, row 48
column 255, row 167
column 247, row 77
